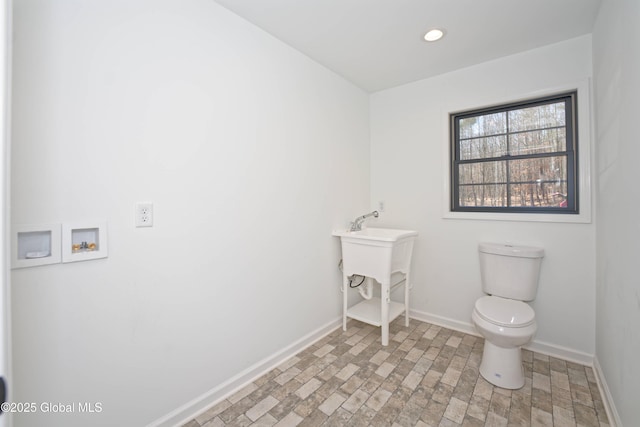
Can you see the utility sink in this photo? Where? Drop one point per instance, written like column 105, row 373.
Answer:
column 376, row 253
column 380, row 234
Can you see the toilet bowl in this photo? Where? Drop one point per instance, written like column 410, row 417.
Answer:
column 509, row 277
column 506, row 325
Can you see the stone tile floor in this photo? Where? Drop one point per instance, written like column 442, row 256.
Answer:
column 426, row 376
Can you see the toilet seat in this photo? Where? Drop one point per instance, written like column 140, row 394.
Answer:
column 505, row 312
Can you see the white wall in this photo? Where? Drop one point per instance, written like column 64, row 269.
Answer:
column 251, row 154
column 409, row 167
column 616, row 51
column 5, row 115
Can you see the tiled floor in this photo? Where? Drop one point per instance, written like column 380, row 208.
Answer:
column 426, row 376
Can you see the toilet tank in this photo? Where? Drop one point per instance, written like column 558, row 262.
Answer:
column 510, row 271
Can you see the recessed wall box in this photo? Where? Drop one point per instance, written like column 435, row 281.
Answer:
column 84, row 241
column 33, row 245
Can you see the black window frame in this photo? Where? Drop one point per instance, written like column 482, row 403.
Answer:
column 571, row 125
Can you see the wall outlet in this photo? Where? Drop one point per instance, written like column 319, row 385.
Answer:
column 144, row 214
column 381, row 206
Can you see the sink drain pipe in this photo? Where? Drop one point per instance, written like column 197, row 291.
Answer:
column 365, row 291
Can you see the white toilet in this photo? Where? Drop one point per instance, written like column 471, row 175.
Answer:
column 510, row 276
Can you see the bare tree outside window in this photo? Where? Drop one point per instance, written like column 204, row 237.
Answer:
column 516, row 158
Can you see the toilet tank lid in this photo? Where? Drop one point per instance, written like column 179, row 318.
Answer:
column 505, row 312
column 511, row 250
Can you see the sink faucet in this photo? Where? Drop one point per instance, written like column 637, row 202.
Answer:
column 357, row 224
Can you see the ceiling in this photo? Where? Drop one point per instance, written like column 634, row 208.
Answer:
column 378, row 44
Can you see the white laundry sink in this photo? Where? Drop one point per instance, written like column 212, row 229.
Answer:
column 376, row 252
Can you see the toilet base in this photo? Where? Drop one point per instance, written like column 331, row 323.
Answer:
column 502, row 366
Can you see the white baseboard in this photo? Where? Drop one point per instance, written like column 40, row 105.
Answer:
column 445, row 322
column 561, row 352
column 217, row 394
column 538, row 346
column 607, row 399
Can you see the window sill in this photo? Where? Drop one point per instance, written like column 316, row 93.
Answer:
column 520, row 217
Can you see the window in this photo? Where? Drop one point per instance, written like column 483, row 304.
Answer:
column 520, row 157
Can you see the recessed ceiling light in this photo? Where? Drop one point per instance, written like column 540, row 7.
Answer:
column 434, row 35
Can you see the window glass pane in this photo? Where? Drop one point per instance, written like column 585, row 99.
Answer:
column 540, row 182
column 483, row 173
column 488, row 124
column 482, row 148
column 538, row 141
column 483, row 184
column 485, row 195
column 539, row 117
